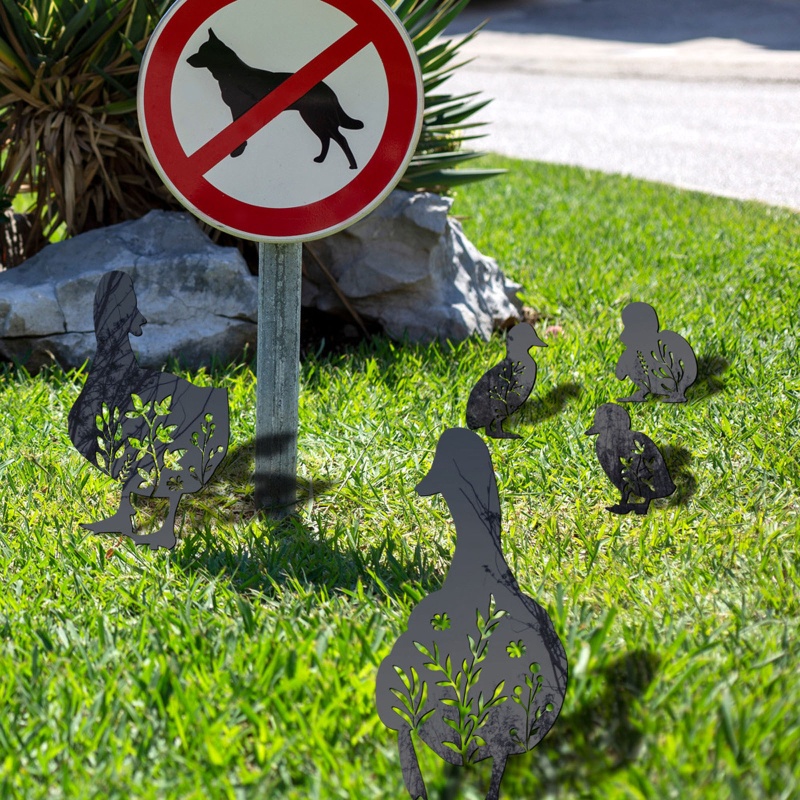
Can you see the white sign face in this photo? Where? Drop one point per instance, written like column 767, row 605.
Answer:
column 280, row 121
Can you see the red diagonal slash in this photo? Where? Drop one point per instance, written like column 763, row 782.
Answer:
column 279, row 99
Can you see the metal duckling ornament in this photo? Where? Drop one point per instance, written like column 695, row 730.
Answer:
column 659, row 362
column 506, row 386
column 155, row 433
column 630, row 459
column 480, row 672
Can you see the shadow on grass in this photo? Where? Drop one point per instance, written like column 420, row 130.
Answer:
column 276, row 552
column 600, row 738
column 582, row 749
column 678, row 459
column 551, row 404
column 709, row 382
column 267, row 552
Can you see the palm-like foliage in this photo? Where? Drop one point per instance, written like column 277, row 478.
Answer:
column 68, row 70
column 445, row 127
column 68, row 74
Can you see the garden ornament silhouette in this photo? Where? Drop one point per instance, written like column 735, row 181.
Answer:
column 480, row 672
column 506, row 386
column 658, row 362
column 630, row 459
column 156, row 434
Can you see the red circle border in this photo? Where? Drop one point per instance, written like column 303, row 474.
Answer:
column 300, row 223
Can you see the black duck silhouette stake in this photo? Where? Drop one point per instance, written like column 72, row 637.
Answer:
column 630, row 459
column 506, row 386
column 155, row 433
column 658, row 362
column 480, row 672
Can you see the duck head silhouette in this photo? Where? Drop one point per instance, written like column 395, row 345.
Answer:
column 116, row 310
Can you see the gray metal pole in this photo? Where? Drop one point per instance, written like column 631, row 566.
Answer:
column 277, row 376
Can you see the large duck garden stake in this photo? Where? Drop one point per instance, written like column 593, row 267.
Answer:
column 480, row 672
column 155, row 433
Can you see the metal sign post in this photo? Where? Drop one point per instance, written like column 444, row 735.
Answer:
column 277, row 376
column 281, row 123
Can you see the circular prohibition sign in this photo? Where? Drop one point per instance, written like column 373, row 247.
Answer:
column 186, row 174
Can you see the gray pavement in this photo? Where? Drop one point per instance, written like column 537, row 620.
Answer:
column 702, row 94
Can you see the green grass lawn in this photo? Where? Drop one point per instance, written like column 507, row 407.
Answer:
column 242, row 665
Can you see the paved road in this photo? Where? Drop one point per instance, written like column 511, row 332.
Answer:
column 703, row 94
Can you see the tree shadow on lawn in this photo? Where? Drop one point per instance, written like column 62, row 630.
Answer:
column 271, row 551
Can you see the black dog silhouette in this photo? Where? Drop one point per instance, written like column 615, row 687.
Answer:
column 242, row 86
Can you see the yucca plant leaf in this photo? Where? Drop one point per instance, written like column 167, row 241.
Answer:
column 12, row 63
column 416, row 12
column 435, row 26
column 444, row 180
column 19, row 37
column 445, row 116
column 74, row 25
column 120, row 107
column 402, row 8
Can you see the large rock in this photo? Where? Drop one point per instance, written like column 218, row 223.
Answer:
column 410, row 267
column 199, row 299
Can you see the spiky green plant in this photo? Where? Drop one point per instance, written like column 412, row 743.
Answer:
column 445, row 126
column 68, row 73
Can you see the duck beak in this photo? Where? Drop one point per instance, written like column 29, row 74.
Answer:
column 592, row 431
column 427, row 486
column 136, row 325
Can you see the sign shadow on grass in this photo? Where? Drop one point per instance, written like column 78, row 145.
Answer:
column 265, row 553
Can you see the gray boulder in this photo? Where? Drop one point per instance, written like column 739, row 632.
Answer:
column 199, row 299
column 409, row 266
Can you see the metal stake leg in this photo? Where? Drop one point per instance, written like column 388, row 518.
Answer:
column 277, row 376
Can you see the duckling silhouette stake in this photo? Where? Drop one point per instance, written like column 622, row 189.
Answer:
column 658, row 362
column 630, row 459
column 480, row 672
column 506, row 386
column 155, row 433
